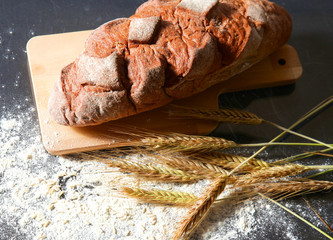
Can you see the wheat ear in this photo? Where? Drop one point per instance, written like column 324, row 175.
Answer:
column 230, row 161
column 146, row 171
column 221, row 115
column 276, row 172
column 200, row 209
column 160, row 196
column 286, row 189
column 156, row 173
column 269, row 173
column 192, row 166
column 171, row 141
column 182, row 142
column 278, row 190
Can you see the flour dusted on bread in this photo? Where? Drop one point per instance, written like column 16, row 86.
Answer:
column 141, row 30
column 169, row 49
column 198, row 6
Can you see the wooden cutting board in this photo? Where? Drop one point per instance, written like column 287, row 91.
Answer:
column 48, row 54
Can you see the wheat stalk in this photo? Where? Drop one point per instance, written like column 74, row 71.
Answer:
column 320, row 173
column 200, row 209
column 160, row 196
column 302, row 155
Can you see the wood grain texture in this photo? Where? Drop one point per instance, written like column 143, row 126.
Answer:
column 48, row 54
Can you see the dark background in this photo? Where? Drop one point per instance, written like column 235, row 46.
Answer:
column 312, row 37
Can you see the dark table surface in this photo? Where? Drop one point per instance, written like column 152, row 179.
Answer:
column 312, row 37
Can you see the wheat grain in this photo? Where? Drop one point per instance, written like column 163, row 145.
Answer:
column 160, row 196
column 200, row 209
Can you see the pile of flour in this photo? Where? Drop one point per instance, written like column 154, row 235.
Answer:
column 48, row 197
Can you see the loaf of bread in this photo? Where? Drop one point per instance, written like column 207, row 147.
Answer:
column 169, row 49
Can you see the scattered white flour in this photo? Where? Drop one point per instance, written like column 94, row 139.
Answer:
column 10, row 30
column 32, row 32
column 48, row 197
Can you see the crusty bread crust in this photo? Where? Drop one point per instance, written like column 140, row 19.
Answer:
column 167, row 50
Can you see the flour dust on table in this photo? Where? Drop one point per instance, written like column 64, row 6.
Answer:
column 49, row 197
